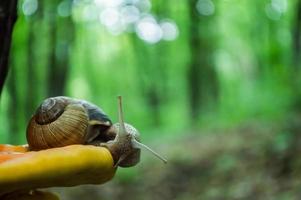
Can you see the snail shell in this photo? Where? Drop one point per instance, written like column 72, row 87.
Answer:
column 62, row 121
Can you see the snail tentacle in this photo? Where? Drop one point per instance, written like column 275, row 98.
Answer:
column 126, row 147
column 139, row 145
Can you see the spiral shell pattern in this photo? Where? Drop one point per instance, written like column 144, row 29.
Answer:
column 62, row 127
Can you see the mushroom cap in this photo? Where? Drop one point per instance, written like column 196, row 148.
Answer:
column 57, row 167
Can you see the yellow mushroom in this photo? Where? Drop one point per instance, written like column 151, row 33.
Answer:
column 65, row 166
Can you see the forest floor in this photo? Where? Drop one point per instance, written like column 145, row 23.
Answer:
column 253, row 161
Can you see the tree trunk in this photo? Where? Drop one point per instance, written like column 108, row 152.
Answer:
column 31, row 72
column 149, row 79
column 202, row 80
column 297, row 37
column 8, row 17
column 52, row 63
column 296, row 50
column 13, row 107
column 62, row 38
column 32, row 90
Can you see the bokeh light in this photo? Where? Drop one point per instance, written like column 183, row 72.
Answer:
column 29, row 7
column 143, row 5
column 64, row 9
column 272, row 13
column 205, row 7
column 279, row 5
column 275, row 9
column 108, row 3
column 123, row 16
column 130, row 14
column 89, row 13
column 109, row 17
column 148, row 30
column 169, row 29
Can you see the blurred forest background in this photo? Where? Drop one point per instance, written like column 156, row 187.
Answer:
column 213, row 85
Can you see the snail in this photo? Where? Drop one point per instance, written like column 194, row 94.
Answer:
column 61, row 121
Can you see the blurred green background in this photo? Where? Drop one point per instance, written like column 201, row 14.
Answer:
column 213, row 85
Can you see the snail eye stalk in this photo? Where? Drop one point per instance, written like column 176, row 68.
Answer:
column 134, row 142
column 122, row 131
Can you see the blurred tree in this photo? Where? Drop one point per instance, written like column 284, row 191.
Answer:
column 297, row 37
column 53, row 21
column 158, row 94
column 296, row 51
column 8, row 16
column 146, row 59
column 148, row 90
column 52, row 78
column 61, row 29
column 31, row 86
column 13, row 106
column 202, row 78
column 152, row 68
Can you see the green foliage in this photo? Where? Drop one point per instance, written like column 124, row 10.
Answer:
column 252, row 58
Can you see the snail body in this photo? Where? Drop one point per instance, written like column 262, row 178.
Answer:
column 62, row 121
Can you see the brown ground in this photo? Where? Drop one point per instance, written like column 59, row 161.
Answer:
column 254, row 161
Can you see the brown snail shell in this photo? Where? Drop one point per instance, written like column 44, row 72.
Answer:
column 62, row 121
